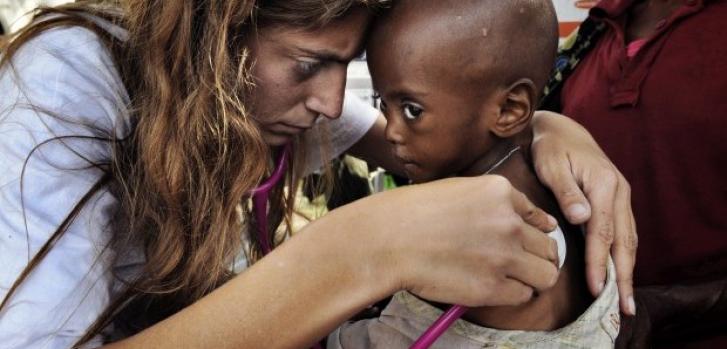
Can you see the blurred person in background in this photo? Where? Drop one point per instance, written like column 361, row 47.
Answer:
column 648, row 80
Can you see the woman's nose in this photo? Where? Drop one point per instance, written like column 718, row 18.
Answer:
column 326, row 96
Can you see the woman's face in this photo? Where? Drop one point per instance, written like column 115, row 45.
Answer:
column 300, row 75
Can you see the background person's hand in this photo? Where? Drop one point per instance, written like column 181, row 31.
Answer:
column 671, row 314
column 635, row 332
column 589, row 189
column 656, row 307
column 472, row 241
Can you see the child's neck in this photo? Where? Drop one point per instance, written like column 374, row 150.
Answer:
column 511, row 158
column 500, row 153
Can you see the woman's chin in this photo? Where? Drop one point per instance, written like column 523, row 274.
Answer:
column 276, row 139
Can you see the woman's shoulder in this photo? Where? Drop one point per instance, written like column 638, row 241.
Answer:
column 61, row 107
column 59, row 98
column 67, row 71
column 62, row 47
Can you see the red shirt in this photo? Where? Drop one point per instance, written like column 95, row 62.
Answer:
column 661, row 116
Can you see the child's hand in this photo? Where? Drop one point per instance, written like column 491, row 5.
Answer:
column 471, row 241
column 589, row 189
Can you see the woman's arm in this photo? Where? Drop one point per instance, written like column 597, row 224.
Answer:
column 470, row 241
column 675, row 313
column 589, row 189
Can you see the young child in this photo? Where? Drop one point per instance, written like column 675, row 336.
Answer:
column 459, row 81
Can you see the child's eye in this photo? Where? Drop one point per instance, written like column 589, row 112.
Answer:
column 412, row 111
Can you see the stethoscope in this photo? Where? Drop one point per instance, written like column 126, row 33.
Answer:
column 260, row 197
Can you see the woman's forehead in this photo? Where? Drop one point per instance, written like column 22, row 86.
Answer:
column 338, row 40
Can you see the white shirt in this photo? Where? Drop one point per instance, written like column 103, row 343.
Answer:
column 69, row 72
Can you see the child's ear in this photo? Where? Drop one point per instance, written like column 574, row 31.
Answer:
column 516, row 108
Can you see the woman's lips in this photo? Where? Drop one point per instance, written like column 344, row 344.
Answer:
column 289, row 129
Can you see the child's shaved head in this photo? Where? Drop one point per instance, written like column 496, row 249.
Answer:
column 457, row 77
column 472, row 42
column 458, row 82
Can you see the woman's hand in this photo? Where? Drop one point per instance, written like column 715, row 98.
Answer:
column 473, row 241
column 589, row 189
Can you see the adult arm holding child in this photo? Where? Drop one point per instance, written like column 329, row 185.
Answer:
column 494, row 253
column 567, row 158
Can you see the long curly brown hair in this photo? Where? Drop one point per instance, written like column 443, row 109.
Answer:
column 183, row 173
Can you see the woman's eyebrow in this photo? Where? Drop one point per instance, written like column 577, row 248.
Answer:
column 329, row 55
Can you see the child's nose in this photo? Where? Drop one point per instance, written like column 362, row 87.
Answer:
column 394, row 131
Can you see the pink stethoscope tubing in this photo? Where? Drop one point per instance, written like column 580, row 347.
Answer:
column 260, row 197
column 444, row 322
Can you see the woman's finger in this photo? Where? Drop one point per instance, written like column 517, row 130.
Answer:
column 558, row 176
column 567, row 159
column 511, row 292
column 532, row 214
column 539, row 244
column 600, row 228
column 624, row 249
column 533, row 271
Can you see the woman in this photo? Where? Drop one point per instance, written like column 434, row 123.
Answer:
column 133, row 139
column 649, row 81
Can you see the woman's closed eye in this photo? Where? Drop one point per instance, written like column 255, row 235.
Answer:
column 308, row 67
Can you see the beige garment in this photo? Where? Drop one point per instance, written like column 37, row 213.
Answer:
column 407, row 317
